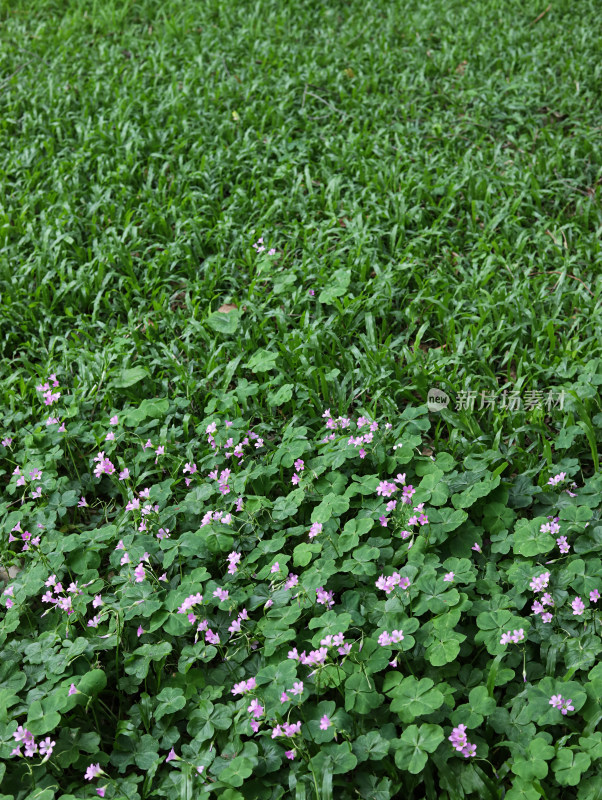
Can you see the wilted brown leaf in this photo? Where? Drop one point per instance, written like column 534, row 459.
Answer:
column 226, row 308
column 461, row 68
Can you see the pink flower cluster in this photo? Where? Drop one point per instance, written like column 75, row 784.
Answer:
column 558, row 701
column 414, row 520
column 324, row 597
column 50, row 397
column 259, row 247
column 386, row 639
column 34, row 475
column 233, row 561
column 289, row 729
column 189, row 602
column 516, row 636
column 314, row 658
column 299, row 467
column 104, row 466
column 315, row 529
column 9, row 593
column 44, row 748
column 550, row 527
column 244, row 687
column 578, row 606
column 389, row 583
column 538, row 584
column 26, row 536
column 236, row 624
column 63, row 602
column 337, row 640
column 460, row 742
column 557, row 479
column 291, row 581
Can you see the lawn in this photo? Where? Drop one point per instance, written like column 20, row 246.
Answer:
column 243, row 552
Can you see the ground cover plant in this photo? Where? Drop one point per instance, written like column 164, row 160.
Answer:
column 241, row 555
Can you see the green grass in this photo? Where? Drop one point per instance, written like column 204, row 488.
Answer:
column 463, row 199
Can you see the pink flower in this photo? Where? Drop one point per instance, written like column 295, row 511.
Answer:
column 92, row 771
column 386, row 489
column 110, row 436
column 594, row 596
column 563, row 544
column 578, row 606
column 125, row 473
column 291, row 581
column 171, row 756
column 315, row 529
column 30, row 748
column 72, row 690
column 101, row 791
column 547, row 617
column 448, row 577
column 82, row 502
column 539, row 583
column 46, row 747
column 324, row 597
column 255, row 708
column 275, row 567
column 461, row 743
column 566, row 707
column 383, row 521
column 476, row 546
column 325, row 723
column 290, row 754
column 140, row 631
column 22, row 734
column 556, row 700
column 114, row 420
column 221, row 594
column 297, row 688
column 139, row 573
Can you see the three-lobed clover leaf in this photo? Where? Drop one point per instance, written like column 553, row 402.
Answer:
column 532, row 765
column 414, row 745
column 411, row 697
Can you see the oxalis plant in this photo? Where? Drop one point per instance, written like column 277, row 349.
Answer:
column 208, row 608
